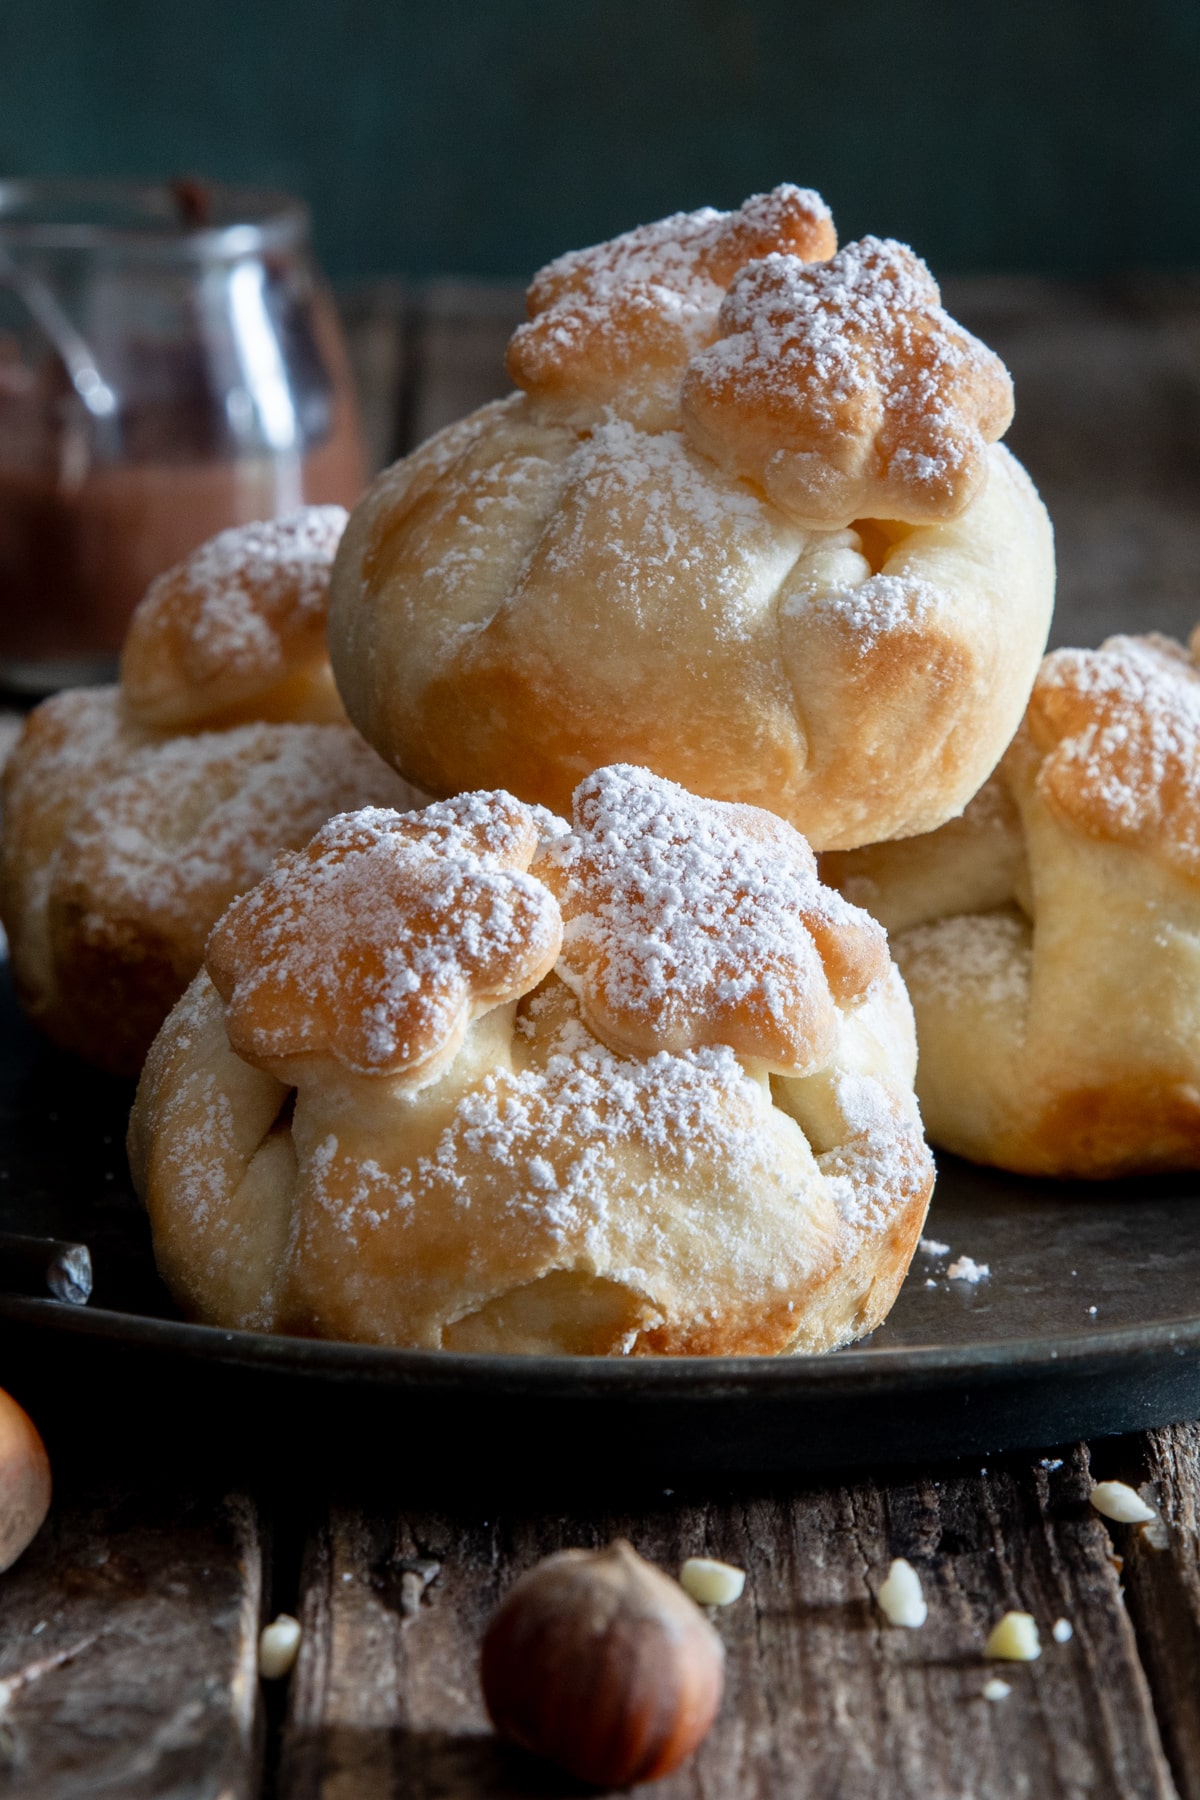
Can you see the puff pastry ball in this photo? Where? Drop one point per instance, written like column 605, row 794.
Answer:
column 1050, row 937
column 132, row 815
column 466, row 1078
column 746, row 523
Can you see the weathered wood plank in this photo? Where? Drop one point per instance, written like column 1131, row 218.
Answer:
column 1162, row 1587
column 823, row 1699
column 460, row 333
column 375, row 317
column 128, row 1652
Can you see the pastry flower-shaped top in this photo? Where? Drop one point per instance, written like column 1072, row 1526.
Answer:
column 382, row 941
column 236, row 620
column 628, row 313
column 846, row 391
column 1119, row 730
column 682, row 923
column 693, row 922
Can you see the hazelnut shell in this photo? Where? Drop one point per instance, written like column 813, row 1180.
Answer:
column 24, row 1481
column 601, row 1663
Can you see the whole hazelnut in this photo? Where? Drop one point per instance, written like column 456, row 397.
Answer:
column 24, row 1481
column 601, row 1663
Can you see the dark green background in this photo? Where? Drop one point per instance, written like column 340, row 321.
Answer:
column 475, row 137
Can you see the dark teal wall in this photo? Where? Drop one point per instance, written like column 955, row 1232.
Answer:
column 462, row 135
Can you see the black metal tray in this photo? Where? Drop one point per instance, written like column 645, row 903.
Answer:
column 1089, row 1323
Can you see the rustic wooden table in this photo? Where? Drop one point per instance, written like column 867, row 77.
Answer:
column 128, row 1632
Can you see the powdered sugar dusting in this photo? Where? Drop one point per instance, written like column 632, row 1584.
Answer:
column 565, row 1136
column 982, row 959
column 496, row 507
column 853, row 368
column 382, row 939
column 656, row 265
column 189, row 822
column 880, row 607
column 69, row 746
column 965, row 1268
column 871, row 293
column 1121, row 726
column 67, row 739
column 691, row 921
column 241, row 592
column 202, row 1128
column 646, row 299
column 488, row 825
column 653, row 511
column 883, row 1160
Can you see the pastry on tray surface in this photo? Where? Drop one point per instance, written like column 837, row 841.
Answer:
column 746, row 523
column 1050, row 938
column 470, row 1078
column 132, row 815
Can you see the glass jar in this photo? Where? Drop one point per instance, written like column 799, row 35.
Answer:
column 170, row 364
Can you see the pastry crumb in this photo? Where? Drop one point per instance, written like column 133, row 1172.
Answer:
column 995, row 1689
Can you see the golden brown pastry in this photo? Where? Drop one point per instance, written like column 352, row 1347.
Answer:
column 236, row 632
column 469, row 1079
column 747, row 523
column 132, row 815
column 1050, row 938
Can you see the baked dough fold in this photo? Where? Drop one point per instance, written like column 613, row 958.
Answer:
column 1050, row 937
column 498, row 1174
column 132, row 815
column 746, row 525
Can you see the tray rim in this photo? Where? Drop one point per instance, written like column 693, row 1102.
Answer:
column 544, row 1377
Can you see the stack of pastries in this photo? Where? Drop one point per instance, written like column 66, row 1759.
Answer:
column 544, row 1030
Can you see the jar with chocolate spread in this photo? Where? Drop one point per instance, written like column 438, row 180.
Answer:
column 170, row 364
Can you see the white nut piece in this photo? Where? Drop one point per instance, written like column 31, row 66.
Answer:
column 900, row 1598
column 277, row 1647
column 1117, row 1500
column 1062, row 1631
column 711, row 1583
column 995, row 1689
column 1014, row 1639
